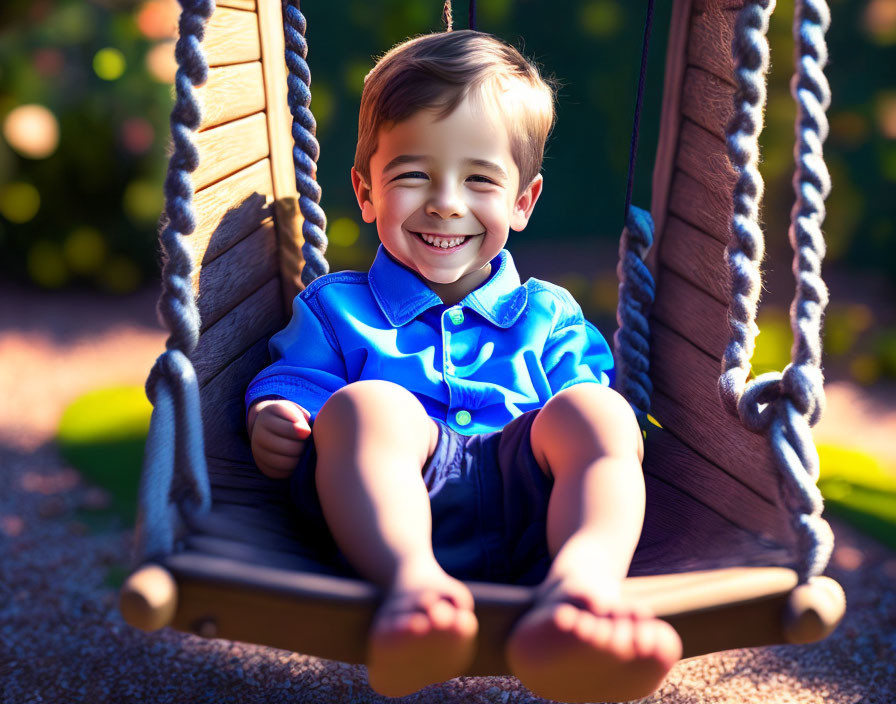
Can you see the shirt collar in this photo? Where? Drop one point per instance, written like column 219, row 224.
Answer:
column 402, row 295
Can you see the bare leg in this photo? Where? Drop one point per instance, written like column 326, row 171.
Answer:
column 581, row 641
column 372, row 440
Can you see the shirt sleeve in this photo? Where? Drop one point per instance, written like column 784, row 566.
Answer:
column 306, row 366
column 575, row 353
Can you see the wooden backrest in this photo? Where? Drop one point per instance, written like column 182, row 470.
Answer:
column 246, row 243
column 706, row 453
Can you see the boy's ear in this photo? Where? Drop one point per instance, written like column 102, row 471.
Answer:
column 362, row 193
column 525, row 203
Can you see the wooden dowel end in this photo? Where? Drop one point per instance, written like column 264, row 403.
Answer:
column 148, row 599
column 814, row 610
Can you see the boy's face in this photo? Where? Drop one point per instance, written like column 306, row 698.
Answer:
column 443, row 194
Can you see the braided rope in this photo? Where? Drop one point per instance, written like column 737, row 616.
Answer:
column 174, row 482
column 784, row 405
column 306, row 149
column 747, row 245
column 636, row 293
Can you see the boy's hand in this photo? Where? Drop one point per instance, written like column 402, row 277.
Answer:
column 277, row 429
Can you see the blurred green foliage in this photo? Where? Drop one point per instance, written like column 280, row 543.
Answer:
column 857, row 487
column 103, row 434
column 86, row 213
column 97, row 196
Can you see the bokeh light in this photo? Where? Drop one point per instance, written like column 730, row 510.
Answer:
column 46, row 265
column 880, row 21
column 849, row 127
column 109, row 64
column 885, row 109
column 601, row 18
column 32, row 131
column 343, row 232
column 354, row 76
column 137, row 135
column 157, row 19
column 120, row 275
column 143, row 201
column 19, row 202
column 48, row 62
column 84, row 250
column 160, row 62
column 322, row 103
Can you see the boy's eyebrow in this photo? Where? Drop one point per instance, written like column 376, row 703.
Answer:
column 482, row 163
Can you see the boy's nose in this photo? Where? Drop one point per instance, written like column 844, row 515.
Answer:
column 446, row 203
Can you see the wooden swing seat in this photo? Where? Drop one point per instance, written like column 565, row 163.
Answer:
column 717, row 543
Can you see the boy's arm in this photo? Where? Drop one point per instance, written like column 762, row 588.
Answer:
column 307, row 364
column 576, row 352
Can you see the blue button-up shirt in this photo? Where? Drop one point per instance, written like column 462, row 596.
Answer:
column 504, row 349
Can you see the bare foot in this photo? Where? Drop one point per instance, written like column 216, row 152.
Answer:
column 425, row 632
column 581, row 642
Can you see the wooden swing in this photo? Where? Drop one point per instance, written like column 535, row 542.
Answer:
column 217, row 539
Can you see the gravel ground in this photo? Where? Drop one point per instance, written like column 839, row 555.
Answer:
column 62, row 639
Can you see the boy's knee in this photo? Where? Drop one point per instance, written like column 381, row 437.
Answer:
column 381, row 406
column 590, row 412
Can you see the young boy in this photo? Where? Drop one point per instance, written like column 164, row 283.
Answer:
column 455, row 424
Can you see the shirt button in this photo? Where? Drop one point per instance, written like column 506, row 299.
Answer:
column 456, row 315
column 463, row 418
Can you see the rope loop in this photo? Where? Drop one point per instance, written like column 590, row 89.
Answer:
column 174, row 484
column 307, row 149
column 782, row 405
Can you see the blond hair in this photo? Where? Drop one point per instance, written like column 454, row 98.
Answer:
column 437, row 71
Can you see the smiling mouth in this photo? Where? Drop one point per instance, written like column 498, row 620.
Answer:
column 443, row 241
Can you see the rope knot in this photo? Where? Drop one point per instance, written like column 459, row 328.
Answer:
column 757, row 404
column 803, row 384
column 174, row 367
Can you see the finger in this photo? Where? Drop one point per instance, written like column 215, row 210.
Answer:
column 283, row 427
column 302, row 428
column 286, row 409
column 288, row 447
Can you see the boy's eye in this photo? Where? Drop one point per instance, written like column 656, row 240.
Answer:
column 480, row 179
column 411, row 174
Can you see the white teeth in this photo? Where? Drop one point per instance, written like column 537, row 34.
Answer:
column 442, row 242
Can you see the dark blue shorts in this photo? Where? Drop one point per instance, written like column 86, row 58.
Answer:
column 489, row 501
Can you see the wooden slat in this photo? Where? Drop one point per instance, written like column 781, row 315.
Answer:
column 258, row 315
column 287, row 215
column 670, row 460
column 231, row 37
column 703, row 156
column 697, row 257
column 667, row 145
column 223, row 413
column 708, row 210
column 273, row 47
column 709, row 48
column 237, row 4
column 230, row 93
column 226, row 149
column 692, row 313
column 686, row 403
column 707, row 100
column 712, row 610
column 238, row 272
column 717, row 5
column 229, row 210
